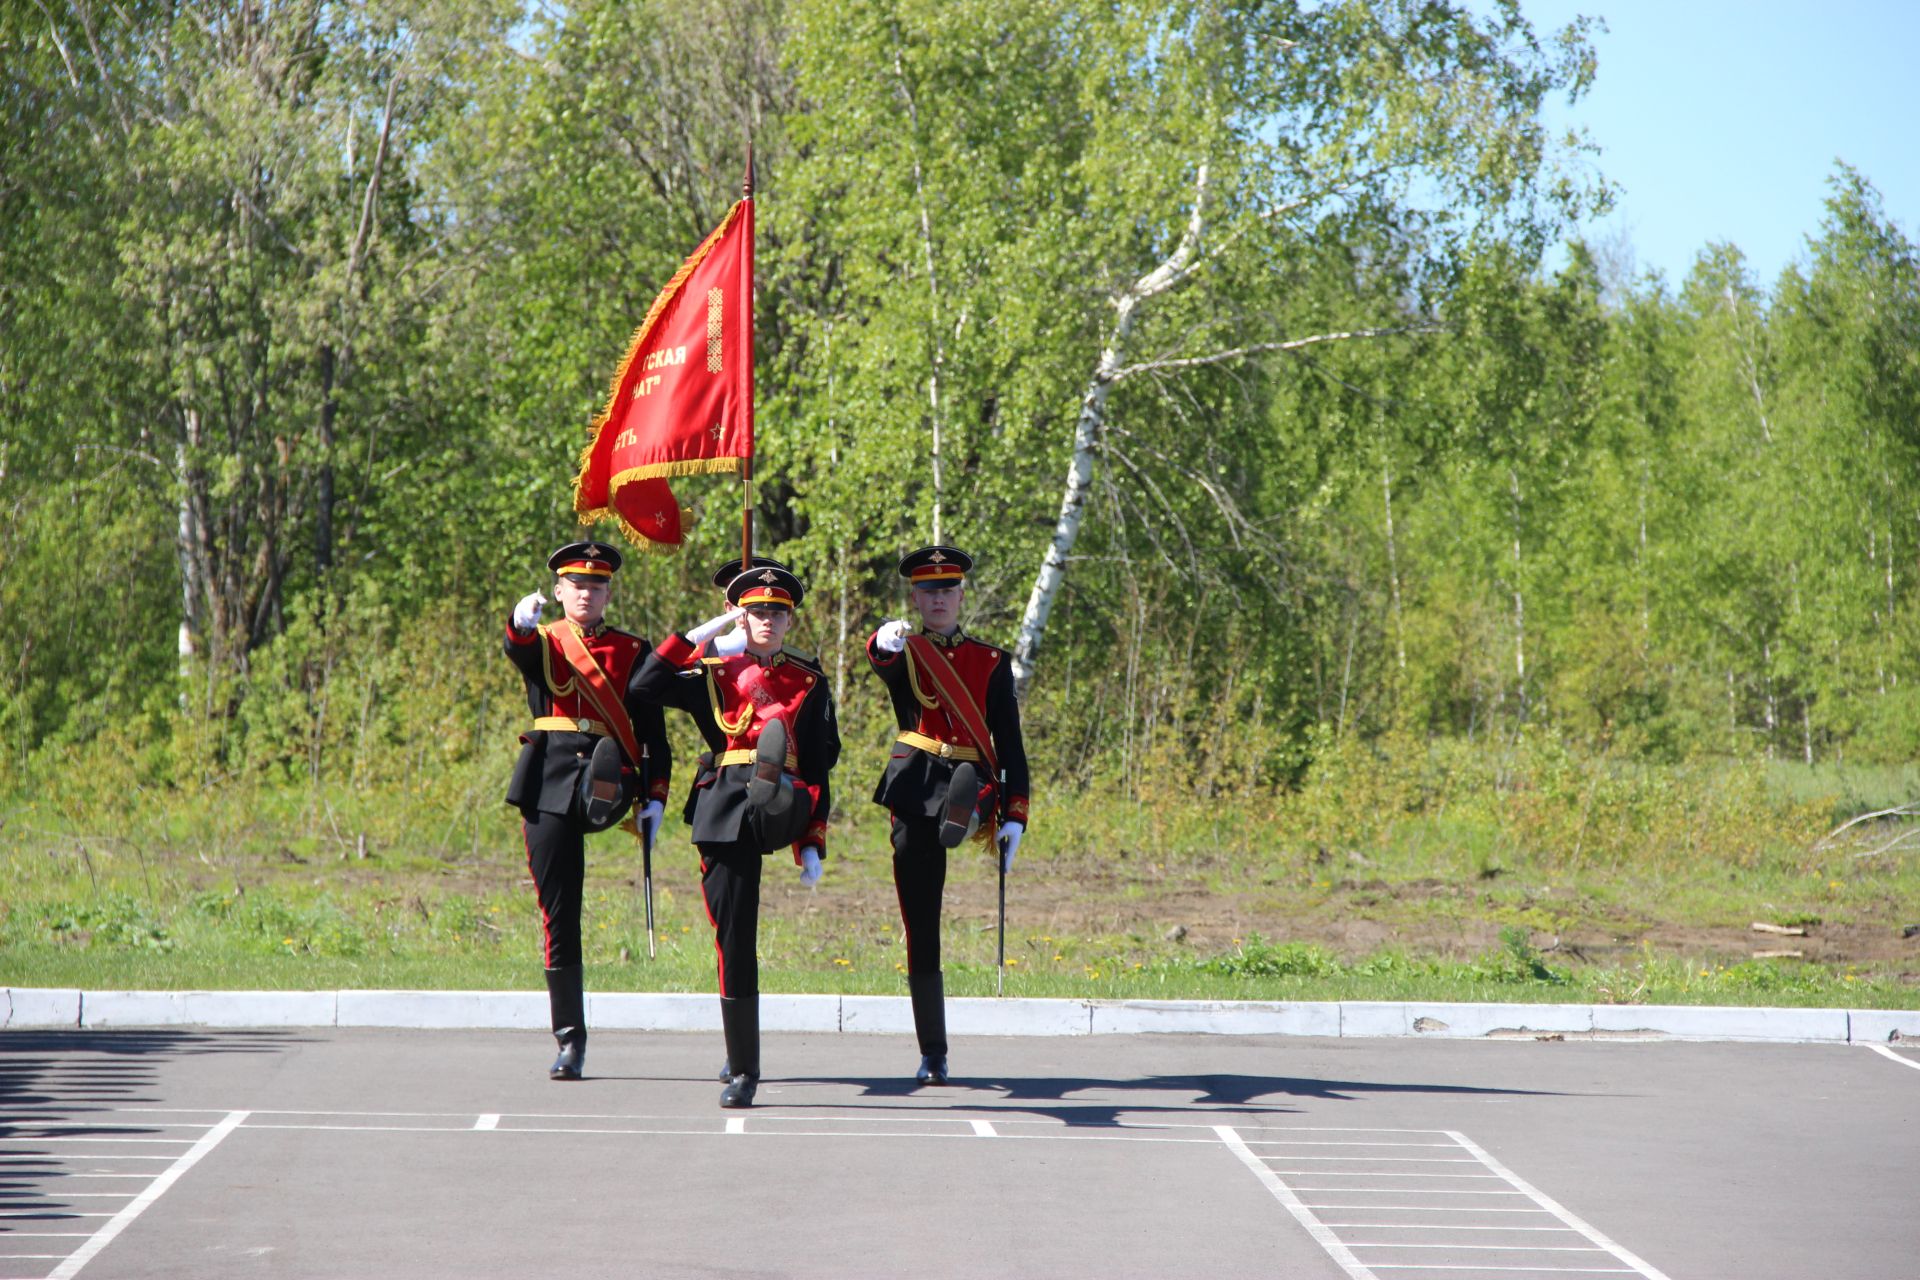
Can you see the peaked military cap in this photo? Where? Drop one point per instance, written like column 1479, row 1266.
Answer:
column 769, row 584
column 585, row 559
column 731, row 569
column 935, row 566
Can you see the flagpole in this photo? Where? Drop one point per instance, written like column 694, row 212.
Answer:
column 746, row 460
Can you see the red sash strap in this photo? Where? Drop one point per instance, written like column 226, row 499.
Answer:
column 597, row 689
column 955, row 697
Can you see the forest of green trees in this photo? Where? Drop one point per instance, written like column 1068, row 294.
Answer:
column 1272, row 320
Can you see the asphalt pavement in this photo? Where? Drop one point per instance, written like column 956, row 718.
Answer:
column 204, row 1153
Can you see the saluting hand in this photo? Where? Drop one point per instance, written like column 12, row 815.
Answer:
column 735, row 641
column 526, row 614
column 1010, row 833
column 892, row 636
column 714, row 626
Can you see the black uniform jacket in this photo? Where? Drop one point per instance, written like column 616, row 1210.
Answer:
column 675, row 675
column 915, row 781
column 546, row 777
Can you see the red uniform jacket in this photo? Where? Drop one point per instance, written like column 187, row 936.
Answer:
column 915, row 781
column 740, row 694
column 547, row 773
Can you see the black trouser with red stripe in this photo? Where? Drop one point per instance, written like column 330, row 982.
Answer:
column 557, row 861
column 920, row 878
column 730, row 882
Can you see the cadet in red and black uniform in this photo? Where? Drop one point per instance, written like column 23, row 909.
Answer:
column 765, row 788
column 958, row 768
column 596, row 750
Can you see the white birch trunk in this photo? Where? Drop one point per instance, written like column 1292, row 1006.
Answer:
column 1086, row 435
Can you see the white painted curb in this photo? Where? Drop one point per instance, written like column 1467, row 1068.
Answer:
column 34, row 1007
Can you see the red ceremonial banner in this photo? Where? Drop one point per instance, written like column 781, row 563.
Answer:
column 682, row 399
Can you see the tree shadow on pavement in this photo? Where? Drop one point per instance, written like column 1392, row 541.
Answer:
column 56, row 1147
column 93, row 1069
column 1085, row 1100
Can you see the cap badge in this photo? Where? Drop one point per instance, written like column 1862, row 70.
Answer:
column 937, row 558
column 768, row 576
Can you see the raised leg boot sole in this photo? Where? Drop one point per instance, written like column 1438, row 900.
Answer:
column 959, row 820
column 768, row 791
column 603, row 782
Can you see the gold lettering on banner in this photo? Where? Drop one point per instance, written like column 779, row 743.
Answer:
column 714, row 297
column 646, row 385
column 625, row 438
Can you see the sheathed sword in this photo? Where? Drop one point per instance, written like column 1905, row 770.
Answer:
column 646, row 877
column 1000, row 863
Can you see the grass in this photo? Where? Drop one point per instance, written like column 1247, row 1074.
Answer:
column 1398, row 871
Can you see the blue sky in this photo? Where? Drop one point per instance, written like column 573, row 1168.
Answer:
column 1721, row 121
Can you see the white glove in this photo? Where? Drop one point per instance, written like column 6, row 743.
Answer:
column 526, row 614
column 892, row 636
column 735, row 641
column 1010, row 833
column 810, row 867
column 650, row 819
column 714, row 626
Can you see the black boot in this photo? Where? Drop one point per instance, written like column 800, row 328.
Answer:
column 567, row 1004
column 602, row 783
column 770, row 792
column 961, row 817
column 930, row 1022
column 740, row 1020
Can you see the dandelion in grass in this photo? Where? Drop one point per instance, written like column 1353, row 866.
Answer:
column 839, row 960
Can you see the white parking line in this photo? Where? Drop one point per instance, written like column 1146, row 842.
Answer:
column 1885, row 1052
column 1321, row 1234
column 983, row 1129
column 1446, row 1226
column 175, row 1142
column 1453, row 1244
column 120, row 1221
column 1475, row 1266
column 1639, row 1265
column 486, row 1121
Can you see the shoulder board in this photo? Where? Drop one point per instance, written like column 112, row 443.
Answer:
column 801, row 658
column 984, row 645
column 708, row 660
column 626, row 635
